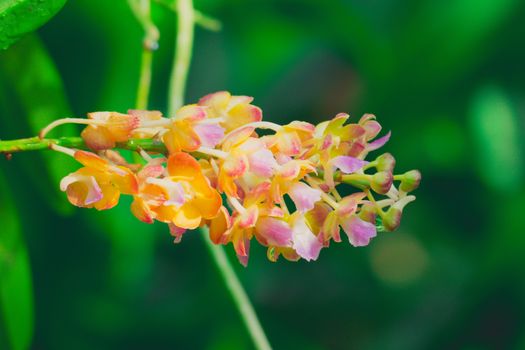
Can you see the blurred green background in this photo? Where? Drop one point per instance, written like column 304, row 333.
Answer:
column 447, row 77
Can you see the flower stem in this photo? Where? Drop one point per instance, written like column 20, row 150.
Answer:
column 38, row 144
column 238, row 293
column 182, row 57
column 179, row 73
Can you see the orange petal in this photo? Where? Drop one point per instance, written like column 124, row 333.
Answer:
column 171, row 141
column 183, row 166
column 219, row 226
column 227, row 185
column 91, row 160
column 127, row 183
column 98, row 138
column 209, row 203
column 141, row 210
column 109, row 199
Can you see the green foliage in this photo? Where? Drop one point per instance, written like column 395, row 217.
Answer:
column 36, row 90
column 19, row 17
column 16, row 290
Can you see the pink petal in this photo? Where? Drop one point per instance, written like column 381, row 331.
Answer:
column 243, row 258
column 348, row 164
column 94, row 193
column 359, row 231
column 176, row 232
column 289, row 143
column 154, row 168
column 305, row 243
column 372, row 146
column 302, row 126
column 372, row 128
column 262, row 163
column 348, row 205
column 217, row 99
column 235, row 167
column 290, row 170
column 236, row 137
column 304, row 197
column 260, row 192
column 248, row 218
column 191, row 112
column 274, row 232
column 210, row 135
column 235, row 100
column 176, row 194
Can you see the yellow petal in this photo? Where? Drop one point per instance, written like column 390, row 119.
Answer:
column 109, row 199
column 141, row 210
column 219, row 226
column 187, row 216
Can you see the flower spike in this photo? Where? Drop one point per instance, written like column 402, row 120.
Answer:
column 282, row 188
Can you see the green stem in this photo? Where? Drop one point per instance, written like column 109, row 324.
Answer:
column 145, row 80
column 182, row 57
column 201, row 19
column 142, row 11
column 238, row 293
column 37, row 144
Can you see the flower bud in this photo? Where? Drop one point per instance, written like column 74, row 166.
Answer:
column 381, row 182
column 392, row 218
column 410, row 181
column 368, row 212
column 385, row 162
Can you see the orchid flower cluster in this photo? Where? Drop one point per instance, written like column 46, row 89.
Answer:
column 292, row 187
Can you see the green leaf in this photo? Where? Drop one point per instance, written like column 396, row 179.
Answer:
column 18, row 17
column 31, row 76
column 16, row 295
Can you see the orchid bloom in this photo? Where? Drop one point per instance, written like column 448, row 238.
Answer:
column 232, row 111
column 182, row 198
column 359, row 231
column 248, row 162
column 191, row 128
column 108, row 129
column 99, row 183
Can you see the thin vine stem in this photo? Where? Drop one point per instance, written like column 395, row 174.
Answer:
column 182, row 57
column 238, row 294
column 142, row 11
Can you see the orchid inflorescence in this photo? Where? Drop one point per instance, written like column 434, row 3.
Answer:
column 292, row 188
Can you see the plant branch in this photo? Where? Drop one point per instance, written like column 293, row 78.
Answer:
column 201, row 19
column 38, row 144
